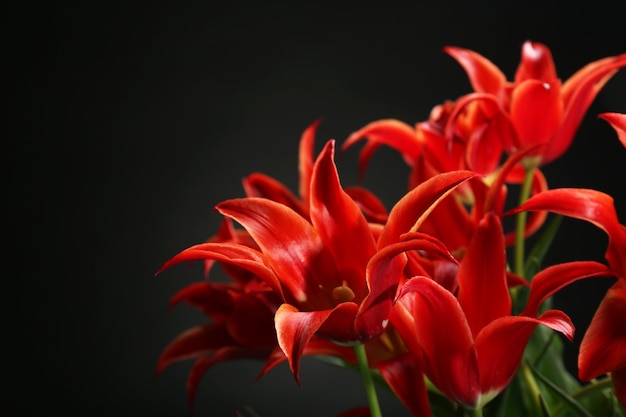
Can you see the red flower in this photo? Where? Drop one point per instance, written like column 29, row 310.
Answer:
column 470, row 345
column 618, row 121
column 540, row 108
column 603, row 345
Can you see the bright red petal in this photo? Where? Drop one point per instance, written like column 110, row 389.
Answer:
column 603, row 348
column 409, row 213
column 261, row 185
column 536, row 63
column 305, row 167
column 551, row 279
column 445, row 338
column 296, row 328
column 483, row 288
column 500, row 346
column 484, row 76
column 618, row 121
column 340, row 223
column 536, row 112
column 289, row 242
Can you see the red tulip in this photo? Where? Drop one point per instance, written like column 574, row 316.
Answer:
column 604, row 343
column 618, row 122
column 540, row 108
column 470, row 345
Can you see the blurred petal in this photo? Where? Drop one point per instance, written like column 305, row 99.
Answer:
column 536, row 112
column 618, row 121
column 306, row 151
column 406, row 380
column 603, row 348
column 484, row 76
column 536, row 63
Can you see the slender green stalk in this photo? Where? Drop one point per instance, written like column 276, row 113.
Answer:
column 531, row 384
column 477, row 412
column 520, row 226
column 368, row 381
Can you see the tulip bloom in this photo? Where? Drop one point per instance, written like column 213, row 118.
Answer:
column 540, row 108
column 603, row 345
column 470, row 345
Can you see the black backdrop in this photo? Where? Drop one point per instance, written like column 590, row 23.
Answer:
column 127, row 124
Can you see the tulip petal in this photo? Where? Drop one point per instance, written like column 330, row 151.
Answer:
column 305, row 157
column 295, row 329
column 445, row 338
column 500, row 346
column 618, row 122
column 261, row 185
column 340, row 223
column 289, row 242
column 483, row 288
column 484, row 75
column 603, row 348
column 536, row 63
column 231, row 253
column 212, row 298
column 405, row 378
column 552, row 278
column 408, row 214
column 393, row 133
column 536, row 112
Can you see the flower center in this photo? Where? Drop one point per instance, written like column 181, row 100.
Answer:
column 343, row 293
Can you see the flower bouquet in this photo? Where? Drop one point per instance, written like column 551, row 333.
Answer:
column 433, row 299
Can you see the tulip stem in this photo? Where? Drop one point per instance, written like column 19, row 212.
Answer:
column 520, row 227
column 368, row 380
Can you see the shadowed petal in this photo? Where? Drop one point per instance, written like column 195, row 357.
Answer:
column 405, row 378
column 603, row 348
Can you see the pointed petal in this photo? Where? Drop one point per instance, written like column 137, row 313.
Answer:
column 305, row 167
column 483, row 288
column 384, row 274
column 408, row 214
column 603, row 346
column 552, row 278
column 593, row 206
column 195, row 342
column 212, row 298
column 500, row 346
column 393, row 133
column 373, row 209
column 232, row 253
column 252, row 321
column 618, row 122
column 405, row 378
column 484, row 76
column 536, row 63
column 261, row 185
column 295, row 328
column 445, row 339
column 536, row 112
column 340, row 223
column 289, row 242
column 578, row 93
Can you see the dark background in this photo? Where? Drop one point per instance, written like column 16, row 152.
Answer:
column 127, row 124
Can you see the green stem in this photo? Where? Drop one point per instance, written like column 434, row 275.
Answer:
column 531, row 384
column 477, row 412
column 368, row 381
column 520, row 226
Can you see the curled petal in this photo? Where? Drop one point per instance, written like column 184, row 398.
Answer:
column 408, row 214
column 484, row 75
column 618, row 121
column 261, row 185
column 551, row 279
column 603, row 346
column 305, row 167
column 212, row 298
column 393, row 133
column 500, row 346
column 296, row 328
column 445, row 338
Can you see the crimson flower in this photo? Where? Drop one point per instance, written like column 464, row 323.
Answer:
column 469, row 345
column 604, row 343
column 540, row 108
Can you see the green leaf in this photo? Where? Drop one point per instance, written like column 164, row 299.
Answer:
column 540, row 249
